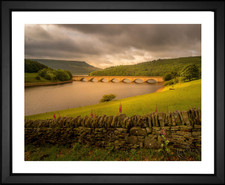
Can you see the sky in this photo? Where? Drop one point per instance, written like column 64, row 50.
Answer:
column 105, row 45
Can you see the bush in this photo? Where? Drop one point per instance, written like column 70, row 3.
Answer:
column 33, row 67
column 48, row 74
column 168, row 76
column 108, row 97
column 190, row 72
column 176, row 80
column 51, row 74
column 42, row 72
column 62, row 75
column 171, row 82
column 70, row 74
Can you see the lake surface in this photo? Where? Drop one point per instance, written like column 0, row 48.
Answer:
column 77, row 94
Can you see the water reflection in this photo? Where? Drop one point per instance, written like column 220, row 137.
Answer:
column 104, row 80
column 127, row 81
column 114, row 80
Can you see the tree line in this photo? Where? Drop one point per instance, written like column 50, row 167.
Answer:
column 152, row 68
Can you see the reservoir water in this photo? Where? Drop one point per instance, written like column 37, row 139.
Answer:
column 77, row 94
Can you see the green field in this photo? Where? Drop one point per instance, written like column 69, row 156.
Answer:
column 31, row 78
column 183, row 96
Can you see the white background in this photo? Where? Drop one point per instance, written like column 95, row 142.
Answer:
column 206, row 19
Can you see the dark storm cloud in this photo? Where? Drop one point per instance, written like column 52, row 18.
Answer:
column 105, row 45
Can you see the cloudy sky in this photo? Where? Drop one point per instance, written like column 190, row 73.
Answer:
column 105, row 45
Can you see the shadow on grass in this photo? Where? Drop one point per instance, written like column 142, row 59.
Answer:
column 78, row 152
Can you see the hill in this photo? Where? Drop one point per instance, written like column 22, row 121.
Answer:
column 75, row 67
column 152, row 68
column 33, row 66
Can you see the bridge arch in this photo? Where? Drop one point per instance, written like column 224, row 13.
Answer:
column 115, row 80
column 139, row 81
column 84, row 79
column 126, row 80
column 104, row 80
column 94, row 80
column 148, row 79
column 151, row 81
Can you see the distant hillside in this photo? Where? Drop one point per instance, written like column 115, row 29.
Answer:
column 153, row 68
column 75, row 67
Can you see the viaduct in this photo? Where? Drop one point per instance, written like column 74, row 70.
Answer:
column 137, row 79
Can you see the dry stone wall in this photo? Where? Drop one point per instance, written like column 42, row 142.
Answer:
column 181, row 128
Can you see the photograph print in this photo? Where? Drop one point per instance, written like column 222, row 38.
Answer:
column 112, row 92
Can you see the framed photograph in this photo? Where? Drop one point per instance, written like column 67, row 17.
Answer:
column 114, row 92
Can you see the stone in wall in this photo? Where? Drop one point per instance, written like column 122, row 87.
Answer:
column 138, row 131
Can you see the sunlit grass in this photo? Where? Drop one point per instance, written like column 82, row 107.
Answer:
column 31, row 78
column 183, row 96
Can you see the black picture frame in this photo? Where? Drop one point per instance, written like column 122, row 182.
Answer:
column 6, row 88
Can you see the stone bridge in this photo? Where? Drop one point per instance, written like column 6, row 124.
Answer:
column 126, row 79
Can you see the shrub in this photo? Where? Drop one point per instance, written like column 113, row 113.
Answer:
column 62, row 75
column 171, row 82
column 190, row 72
column 168, row 76
column 43, row 72
column 176, row 80
column 50, row 75
column 108, row 97
column 70, row 74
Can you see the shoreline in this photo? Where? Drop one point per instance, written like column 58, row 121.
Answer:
column 46, row 83
column 189, row 91
column 160, row 89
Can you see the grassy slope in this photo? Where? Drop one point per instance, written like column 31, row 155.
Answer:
column 152, row 68
column 75, row 67
column 30, row 78
column 31, row 81
column 184, row 96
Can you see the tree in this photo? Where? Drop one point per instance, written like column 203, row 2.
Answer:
column 168, row 76
column 43, row 72
column 70, row 74
column 33, row 66
column 51, row 74
column 190, row 72
column 62, row 75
